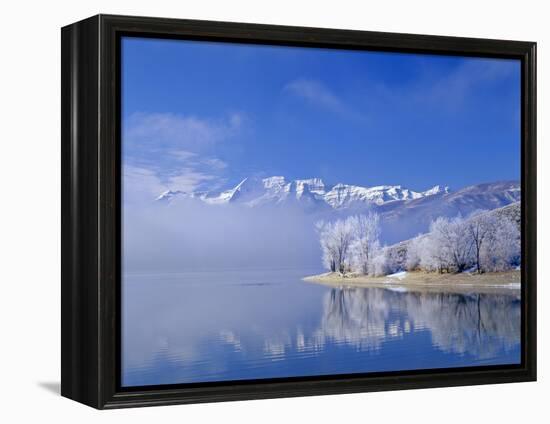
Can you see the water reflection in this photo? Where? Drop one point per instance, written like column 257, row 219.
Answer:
column 478, row 324
column 357, row 316
column 177, row 333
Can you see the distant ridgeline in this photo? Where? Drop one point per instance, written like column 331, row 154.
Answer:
column 255, row 192
column 404, row 213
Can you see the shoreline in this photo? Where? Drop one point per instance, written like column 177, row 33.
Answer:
column 508, row 282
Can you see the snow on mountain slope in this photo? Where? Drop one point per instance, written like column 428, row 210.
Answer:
column 485, row 196
column 277, row 190
column 342, row 195
column 168, row 195
column 406, row 219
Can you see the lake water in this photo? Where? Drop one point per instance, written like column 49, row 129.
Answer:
column 234, row 325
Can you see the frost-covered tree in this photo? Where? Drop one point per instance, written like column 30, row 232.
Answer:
column 450, row 243
column 415, row 250
column 365, row 245
column 336, row 239
column 488, row 242
column 394, row 262
column 481, row 229
column 432, row 257
column 502, row 249
column 328, row 246
column 379, row 263
column 343, row 235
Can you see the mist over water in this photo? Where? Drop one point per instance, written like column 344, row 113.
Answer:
column 191, row 235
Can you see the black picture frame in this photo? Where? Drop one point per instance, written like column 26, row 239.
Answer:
column 91, row 223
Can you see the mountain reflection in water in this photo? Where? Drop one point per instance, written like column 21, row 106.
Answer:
column 229, row 329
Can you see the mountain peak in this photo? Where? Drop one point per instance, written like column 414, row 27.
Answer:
column 437, row 189
column 274, row 182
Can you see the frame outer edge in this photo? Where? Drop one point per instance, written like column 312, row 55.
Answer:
column 530, row 178
column 68, row 361
column 89, row 207
column 80, row 312
column 109, row 225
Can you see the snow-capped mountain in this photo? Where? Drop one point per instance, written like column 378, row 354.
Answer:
column 404, row 213
column 313, row 191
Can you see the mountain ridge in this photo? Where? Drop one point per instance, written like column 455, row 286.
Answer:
column 277, row 190
column 404, row 213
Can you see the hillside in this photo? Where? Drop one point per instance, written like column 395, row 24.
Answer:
column 398, row 251
column 403, row 220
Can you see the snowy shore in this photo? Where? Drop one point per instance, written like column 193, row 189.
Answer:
column 490, row 282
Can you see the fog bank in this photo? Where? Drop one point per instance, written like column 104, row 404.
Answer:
column 190, row 235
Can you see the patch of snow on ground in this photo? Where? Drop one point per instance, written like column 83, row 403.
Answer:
column 508, row 286
column 470, row 270
column 399, row 275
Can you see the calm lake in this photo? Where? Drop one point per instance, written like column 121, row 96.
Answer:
column 232, row 325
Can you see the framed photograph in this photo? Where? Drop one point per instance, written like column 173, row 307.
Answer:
column 254, row 211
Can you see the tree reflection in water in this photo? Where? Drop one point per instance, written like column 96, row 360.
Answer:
column 476, row 324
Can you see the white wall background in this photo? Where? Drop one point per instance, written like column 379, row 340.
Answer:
column 30, row 197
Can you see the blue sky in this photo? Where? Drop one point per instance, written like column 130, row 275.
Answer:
column 201, row 115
